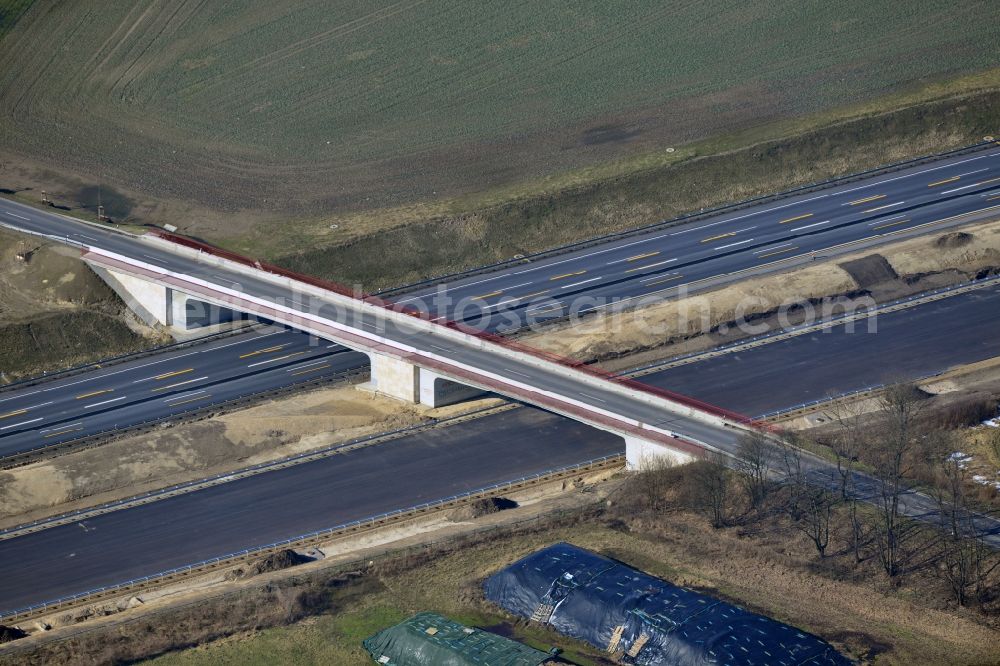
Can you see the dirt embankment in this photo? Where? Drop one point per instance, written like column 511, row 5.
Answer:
column 55, row 312
column 274, row 429
column 701, row 321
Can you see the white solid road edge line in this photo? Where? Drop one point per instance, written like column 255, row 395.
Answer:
column 105, row 402
column 14, row 425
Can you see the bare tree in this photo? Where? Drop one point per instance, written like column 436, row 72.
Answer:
column 810, row 506
column 653, row 480
column 897, row 439
column 849, row 439
column 993, row 443
column 967, row 562
column 754, row 460
column 847, row 444
column 949, row 487
column 710, row 488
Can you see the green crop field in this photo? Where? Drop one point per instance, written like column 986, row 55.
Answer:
column 10, row 12
column 310, row 107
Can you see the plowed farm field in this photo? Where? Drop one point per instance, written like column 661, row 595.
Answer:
column 308, row 107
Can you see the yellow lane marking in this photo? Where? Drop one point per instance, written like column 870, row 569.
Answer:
column 771, row 254
column 93, row 393
column 867, row 199
column 713, row 238
column 993, row 198
column 492, row 293
column 890, row 224
column 666, row 279
column 62, row 432
column 316, row 369
column 991, row 180
column 566, row 275
column 200, row 397
column 174, row 374
column 942, row 182
column 796, row 218
column 170, row 386
column 263, row 351
column 17, row 413
column 643, row 256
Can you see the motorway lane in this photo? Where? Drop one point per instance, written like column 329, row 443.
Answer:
column 263, row 509
column 665, row 261
column 904, row 345
column 164, row 385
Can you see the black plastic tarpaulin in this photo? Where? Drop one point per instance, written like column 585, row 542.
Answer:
column 644, row 620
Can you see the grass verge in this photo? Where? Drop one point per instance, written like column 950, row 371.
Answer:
column 63, row 340
column 425, row 243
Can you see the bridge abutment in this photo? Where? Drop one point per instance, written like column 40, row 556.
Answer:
column 160, row 306
column 155, row 304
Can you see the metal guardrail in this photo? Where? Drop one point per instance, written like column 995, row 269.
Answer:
column 982, row 282
column 690, row 217
column 340, row 567
column 195, row 244
column 326, row 532
column 839, row 396
column 28, row 454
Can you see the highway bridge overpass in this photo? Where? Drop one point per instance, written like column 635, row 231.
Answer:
column 413, row 358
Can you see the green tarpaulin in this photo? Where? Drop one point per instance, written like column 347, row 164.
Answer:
column 428, row 639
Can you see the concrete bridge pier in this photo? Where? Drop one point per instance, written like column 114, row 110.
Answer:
column 404, row 381
column 437, row 391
